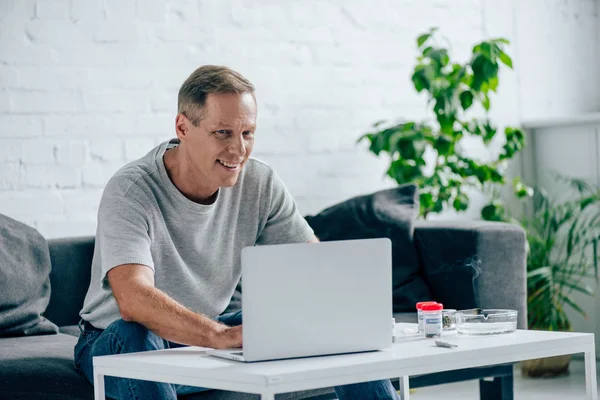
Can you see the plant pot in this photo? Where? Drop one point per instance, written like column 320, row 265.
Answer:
column 546, row 367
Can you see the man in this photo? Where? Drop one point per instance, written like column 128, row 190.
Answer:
column 170, row 230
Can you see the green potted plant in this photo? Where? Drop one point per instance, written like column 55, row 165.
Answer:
column 562, row 237
column 453, row 89
column 563, row 256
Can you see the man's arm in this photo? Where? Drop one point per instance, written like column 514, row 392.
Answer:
column 140, row 301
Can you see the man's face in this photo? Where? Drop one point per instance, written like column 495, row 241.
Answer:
column 219, row 146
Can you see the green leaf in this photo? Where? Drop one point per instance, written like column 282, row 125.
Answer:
column 466, row 99
column 488, row 132
column 493, row 83
column 589, row 200
column 438, row 206
column 499, row 40
column 477, row 126
column 585, row 289
column 493, row 212
column 542, row 271
column 366, row 136
column 444, row 145
column 515, row 141
column 446, row 123
column 520, row 189
column 581, row 185
column 422, row 39
column 403, row 171
column 485, row 102
column 406, row 148
column 478, row 78
column 423, row 77
column 438, row 56
column 461, row 202
column 505, row 59
column 486, row 50
column 575, row 306
column 484, row 70
column 490, row 70
column 426, row 200
column 456, row 76
column 490, row 213
column 495, row 176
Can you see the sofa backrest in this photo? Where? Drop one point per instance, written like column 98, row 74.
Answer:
column 69, row 278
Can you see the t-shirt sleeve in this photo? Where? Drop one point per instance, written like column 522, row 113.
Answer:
column 123, row 234
column 284, row 223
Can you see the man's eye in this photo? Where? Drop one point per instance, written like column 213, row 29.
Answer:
column 248, row 133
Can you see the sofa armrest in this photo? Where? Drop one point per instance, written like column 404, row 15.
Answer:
column 71, row 260
column 469, row 264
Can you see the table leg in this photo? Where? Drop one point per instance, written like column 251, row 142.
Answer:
column 404, row 388
column 98, row 385
column 591, row 385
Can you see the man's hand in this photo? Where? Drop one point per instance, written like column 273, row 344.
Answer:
column 229, row 338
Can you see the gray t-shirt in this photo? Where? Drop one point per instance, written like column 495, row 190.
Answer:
column 193, row 249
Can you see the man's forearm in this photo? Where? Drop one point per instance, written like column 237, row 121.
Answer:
column 170, row 320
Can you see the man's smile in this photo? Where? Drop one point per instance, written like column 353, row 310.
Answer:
column 229, row 166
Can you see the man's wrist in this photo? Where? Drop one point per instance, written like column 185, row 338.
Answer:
column 216, row 335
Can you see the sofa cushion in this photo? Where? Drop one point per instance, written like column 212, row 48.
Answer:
column 387, row 213
column 72, row 330
column 24, row 271
column 41, row 367
column 70, row 278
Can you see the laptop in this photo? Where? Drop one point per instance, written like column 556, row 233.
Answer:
column 314, row 299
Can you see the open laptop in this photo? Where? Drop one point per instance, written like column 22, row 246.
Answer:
column 313, row 299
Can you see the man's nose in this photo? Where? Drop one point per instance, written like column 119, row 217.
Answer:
column 237, row 146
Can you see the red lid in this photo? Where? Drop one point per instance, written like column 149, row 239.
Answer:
column 432, row 307
column 421, row 303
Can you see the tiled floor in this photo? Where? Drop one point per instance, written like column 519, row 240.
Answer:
column 570, row 387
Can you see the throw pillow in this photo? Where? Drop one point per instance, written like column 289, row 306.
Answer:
column 24, row 280
column 387, row 213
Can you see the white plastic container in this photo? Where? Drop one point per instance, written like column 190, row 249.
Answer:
column 432, row 320
column 420, row 313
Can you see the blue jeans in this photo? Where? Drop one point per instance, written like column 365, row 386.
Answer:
column 128, row 337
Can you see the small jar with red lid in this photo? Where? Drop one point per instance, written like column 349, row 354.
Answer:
column 432, row 320
column 420, row 313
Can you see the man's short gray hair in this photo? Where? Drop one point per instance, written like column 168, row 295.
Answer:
column 204, row 81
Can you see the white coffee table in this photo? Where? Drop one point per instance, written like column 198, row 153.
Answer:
column 412, row 356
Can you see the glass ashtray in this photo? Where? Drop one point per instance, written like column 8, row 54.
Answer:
column 486, row 322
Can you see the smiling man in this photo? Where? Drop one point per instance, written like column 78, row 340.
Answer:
column 171, row 227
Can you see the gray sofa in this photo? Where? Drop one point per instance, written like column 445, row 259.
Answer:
column 465, row 265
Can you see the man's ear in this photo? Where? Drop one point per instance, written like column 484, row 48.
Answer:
column 181, row 125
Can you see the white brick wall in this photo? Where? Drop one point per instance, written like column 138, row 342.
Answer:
column 86, row 86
